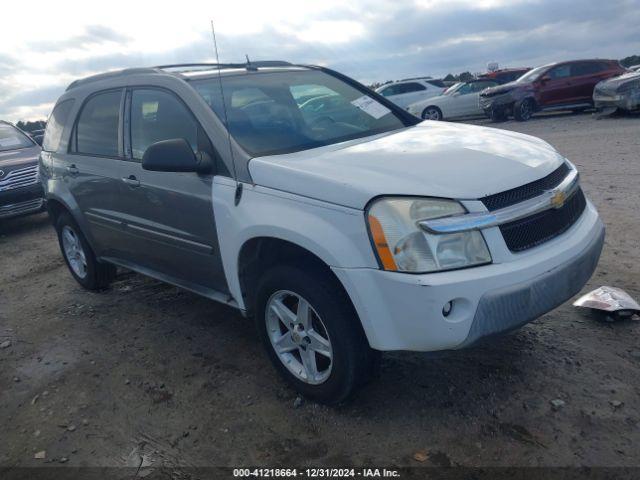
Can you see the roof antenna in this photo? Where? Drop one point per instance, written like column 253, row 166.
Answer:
column 238, row 194
column 249, row 66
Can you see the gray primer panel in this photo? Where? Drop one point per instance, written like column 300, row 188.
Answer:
column 511, row 307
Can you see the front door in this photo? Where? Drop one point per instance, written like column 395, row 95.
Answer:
column 557, row 87
column 169, row 215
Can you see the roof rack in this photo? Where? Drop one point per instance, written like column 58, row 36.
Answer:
column 106, row 75
column 251, row 64
column 131, row 71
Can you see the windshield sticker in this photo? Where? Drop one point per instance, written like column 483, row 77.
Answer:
column 9, row 142
column 369, row 106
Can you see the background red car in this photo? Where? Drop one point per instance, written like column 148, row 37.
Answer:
column 557, row 86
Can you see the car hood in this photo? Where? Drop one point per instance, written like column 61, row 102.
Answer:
column 438, row 159
column 620, row 80
column 504, row 88
column 16, row 158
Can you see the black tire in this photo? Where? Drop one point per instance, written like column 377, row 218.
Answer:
column 497, row 115
column 97, row 275
column 523, row 110
column 353, row 362
column 432, row 113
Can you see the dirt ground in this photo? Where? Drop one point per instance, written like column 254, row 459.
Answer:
column 145, row 373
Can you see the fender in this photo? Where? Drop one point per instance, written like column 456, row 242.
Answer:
column 56, row 190
column 335, row 234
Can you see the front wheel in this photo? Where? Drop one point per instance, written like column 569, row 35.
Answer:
column 79, row 256
column 432, row 113
column 312, row 333
column 523, row 110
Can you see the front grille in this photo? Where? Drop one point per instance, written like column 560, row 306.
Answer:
column 525, row 192
column 22, row 208
column 21, row 177
column 541, row 227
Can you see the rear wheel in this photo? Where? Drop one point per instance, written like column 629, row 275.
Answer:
column 79, row 257
column 523, row 110
column 432, row 113
column 312, row 333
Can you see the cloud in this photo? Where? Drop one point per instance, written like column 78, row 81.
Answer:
column 369, row 40
column 91, row 36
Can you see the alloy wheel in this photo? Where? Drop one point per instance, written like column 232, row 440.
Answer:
column 431, row 114
column 74, row 252
column 299, row 337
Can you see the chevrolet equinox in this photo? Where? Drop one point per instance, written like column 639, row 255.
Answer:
column 344, row 225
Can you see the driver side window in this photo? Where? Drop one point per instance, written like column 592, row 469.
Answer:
column 562, row 71
column 158, row 115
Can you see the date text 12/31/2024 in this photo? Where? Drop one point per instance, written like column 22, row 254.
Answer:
column 315, row 473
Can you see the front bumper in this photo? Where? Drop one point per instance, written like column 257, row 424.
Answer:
column 501, row 101
column 625, row 101
column 21, row 201
column 404, row 312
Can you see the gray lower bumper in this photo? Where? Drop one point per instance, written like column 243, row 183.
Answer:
column 511, row 307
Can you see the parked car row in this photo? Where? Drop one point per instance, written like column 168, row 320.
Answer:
column 520, row 93
column 556, row 86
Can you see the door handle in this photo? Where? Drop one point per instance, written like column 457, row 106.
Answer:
column 72, row 169
column 131, row 180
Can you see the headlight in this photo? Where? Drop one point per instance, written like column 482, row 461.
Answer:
column 401, row 245
column 627, row 87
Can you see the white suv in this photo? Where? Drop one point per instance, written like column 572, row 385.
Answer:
column 344, row 226
column 406, row 92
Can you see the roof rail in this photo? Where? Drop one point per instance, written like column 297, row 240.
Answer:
column 106, row 75
column 259, row 64
column 131, row 71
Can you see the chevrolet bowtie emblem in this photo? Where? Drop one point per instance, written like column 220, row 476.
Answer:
column 558, row 199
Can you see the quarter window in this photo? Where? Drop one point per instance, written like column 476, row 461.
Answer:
column 97, row 127
column 55, row 125
column 157, row 115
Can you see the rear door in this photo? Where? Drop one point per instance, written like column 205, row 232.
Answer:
column 91, row 169
column 586, row 75
column 169, row 216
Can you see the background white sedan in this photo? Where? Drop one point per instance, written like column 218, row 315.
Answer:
column 460, row 100
column 406, row 92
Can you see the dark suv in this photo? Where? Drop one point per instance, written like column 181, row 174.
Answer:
column 557, row 86
column 20, row 189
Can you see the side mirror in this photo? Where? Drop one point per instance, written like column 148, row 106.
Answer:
column 173, row 155
column 545, row 78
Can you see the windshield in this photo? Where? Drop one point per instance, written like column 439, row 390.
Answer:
column 281, row 112
column 12, row 139
column 453, row 88
column 532, row 75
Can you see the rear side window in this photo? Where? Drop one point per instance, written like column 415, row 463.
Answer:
column 157, row 115
column 587, row 68
column 98, row 125
column 410, row 87
column 55, row 125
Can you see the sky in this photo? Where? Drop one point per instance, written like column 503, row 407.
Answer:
column 45, row 45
